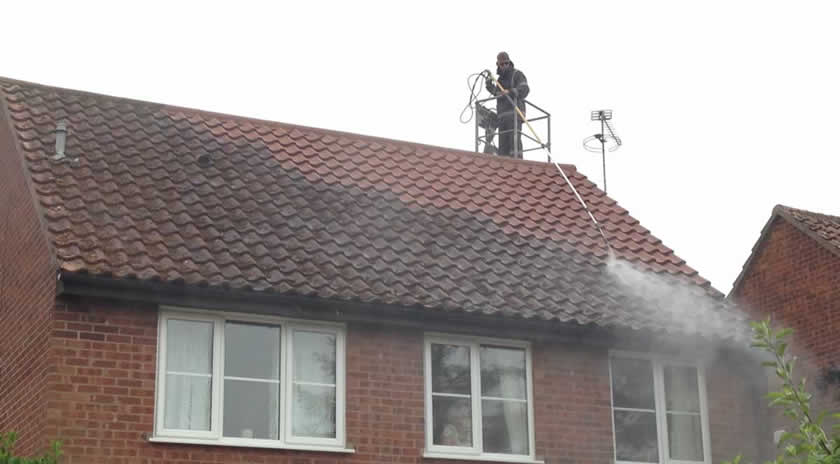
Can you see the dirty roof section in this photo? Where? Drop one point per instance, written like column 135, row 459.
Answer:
column 166, row 194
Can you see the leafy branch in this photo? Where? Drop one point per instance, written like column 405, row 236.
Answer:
column 7, row 443
column 809, row 444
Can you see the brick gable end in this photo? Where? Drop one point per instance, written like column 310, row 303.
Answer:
column 27, row 294
column 796, row 281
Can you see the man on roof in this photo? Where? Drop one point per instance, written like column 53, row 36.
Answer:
column 515, row 87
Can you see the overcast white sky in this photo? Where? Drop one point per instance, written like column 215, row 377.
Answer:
column 726, row 108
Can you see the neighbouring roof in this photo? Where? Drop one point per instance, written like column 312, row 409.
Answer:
column 158, row 193
column 822, row 228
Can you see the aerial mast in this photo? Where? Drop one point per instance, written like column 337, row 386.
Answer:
column 604, row 117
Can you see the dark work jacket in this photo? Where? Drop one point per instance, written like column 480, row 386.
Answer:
column 514, row 81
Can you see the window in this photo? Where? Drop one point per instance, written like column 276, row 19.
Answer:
column 232, row 379
column 659, row 412
column 478, row 398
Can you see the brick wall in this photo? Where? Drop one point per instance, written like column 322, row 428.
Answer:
column 572, row 415
column 102, row 405
column 27, row 293
column 796, row 281
column 738, row 411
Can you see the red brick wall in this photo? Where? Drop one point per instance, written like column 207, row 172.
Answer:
column 27, row 293
column 797, row 282
column 738, row 412
column 102, row 396
column 103, row 401
column 572, row 415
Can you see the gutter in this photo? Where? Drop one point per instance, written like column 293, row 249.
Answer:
column 441, row 320
column 304, row 307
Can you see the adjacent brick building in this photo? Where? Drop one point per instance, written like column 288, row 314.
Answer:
column 793, row 277
column 188, row 287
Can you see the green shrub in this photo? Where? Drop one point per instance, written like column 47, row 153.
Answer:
column 7, row 442
column 809, row 443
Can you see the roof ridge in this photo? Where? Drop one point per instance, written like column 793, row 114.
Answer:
column 805, row 226
column 790, row 209
column 291, row 126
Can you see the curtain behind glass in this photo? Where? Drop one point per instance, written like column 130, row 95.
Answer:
column 189, row 374
column 504, row 404
column 682, row 400
column 314, row 384
column 451, row 395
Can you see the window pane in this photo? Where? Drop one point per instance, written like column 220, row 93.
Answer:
column 450, row 369
column 187, row 402
column 252, row 351
column 504, row 426
column 189, row 367
column 685, row 440
column 452, row 421
column 632, row 383
column 503, row 373
column 635, row 436
column 189, row 346
column 313, row 413
column 314, row 357
column 681, row 389
column 252, row 409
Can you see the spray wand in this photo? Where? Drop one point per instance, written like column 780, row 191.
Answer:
column 521, row 115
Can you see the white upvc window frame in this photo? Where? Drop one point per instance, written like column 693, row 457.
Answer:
column 658, row 363
column 215, row 436
column 476, row 451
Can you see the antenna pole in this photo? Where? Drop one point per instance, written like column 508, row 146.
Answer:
column 603, row 116
column 603, row 154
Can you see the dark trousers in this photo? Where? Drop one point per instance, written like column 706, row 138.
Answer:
column 510, row 138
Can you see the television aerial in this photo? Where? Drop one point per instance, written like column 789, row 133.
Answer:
column 603, row 139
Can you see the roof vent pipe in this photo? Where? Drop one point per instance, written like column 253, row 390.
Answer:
column 60, row 139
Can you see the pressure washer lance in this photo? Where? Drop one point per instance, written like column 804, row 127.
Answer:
column 555, row 163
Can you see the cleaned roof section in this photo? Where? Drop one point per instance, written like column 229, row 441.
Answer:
column 161, row 193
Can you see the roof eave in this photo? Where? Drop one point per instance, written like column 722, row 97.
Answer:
column 753, row 253
column 298, row 306
column 309, row 307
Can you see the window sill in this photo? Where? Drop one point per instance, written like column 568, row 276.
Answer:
column 239, row 443
column 478, row 457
